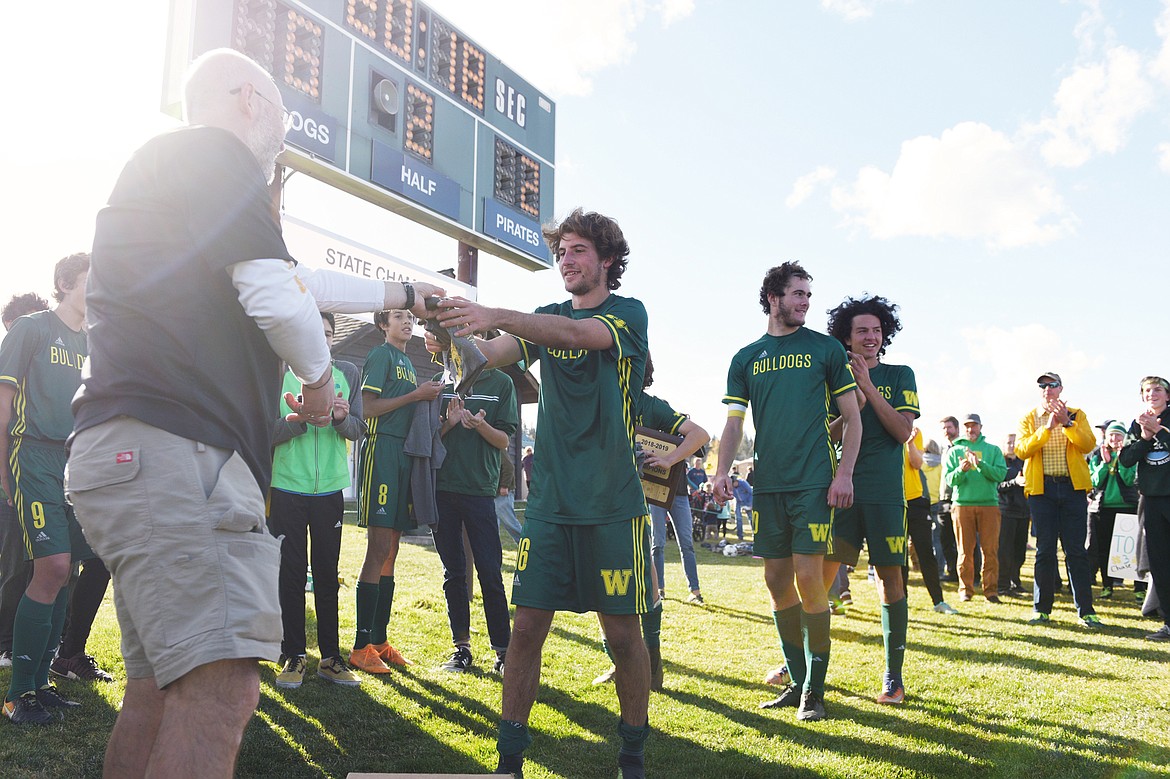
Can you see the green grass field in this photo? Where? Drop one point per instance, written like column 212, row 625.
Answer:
column 987, row 694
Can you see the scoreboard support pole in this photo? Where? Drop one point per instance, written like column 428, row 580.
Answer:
column 468, row 268
column 467, row 271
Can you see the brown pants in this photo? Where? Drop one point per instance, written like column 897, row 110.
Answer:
column 981, row 521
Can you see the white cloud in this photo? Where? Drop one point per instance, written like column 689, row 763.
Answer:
column 1090, row 25
column 672, row 11
column 559, row 46
column 1160, row 67
column 1095, row 107
column 807, row 184
column 991, row 371
column 852, row 10
column 971, row 182
column 1164, row 157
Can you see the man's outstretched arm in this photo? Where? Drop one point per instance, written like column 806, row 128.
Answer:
column 558, row 332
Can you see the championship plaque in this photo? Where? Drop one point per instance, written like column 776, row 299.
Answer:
column 659, row 484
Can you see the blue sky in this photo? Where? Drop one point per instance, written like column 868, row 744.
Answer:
column 999, row 169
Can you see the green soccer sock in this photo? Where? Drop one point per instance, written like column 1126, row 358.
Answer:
column 513, row 738
column 815, row 628
column 59, row 608
column 382, row 612
column 633, row 738
column 792, row 642
column 605, row 646
column 652, row 626
column 895, row 616
column 31, row 628
column 367, row 601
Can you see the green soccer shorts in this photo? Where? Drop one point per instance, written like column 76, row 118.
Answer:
column 603, row 568
column 384, row 484
column 882, row 526
column 787, row 523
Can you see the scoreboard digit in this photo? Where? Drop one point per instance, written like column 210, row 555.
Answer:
column 389, row 101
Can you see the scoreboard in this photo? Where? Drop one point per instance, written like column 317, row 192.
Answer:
column 389, row 101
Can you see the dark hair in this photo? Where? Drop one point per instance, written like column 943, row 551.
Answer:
column 66, row 271
column 776, row 281
column 19, row 305
column 381, row 319
column 841, row 318
column 328, row 317
column 952, row 420
column 602, row 231
column 648, row 375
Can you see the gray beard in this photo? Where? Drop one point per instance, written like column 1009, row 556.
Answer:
column 264, row 142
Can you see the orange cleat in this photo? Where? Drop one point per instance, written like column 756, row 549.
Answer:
column 389, row 655
column 368, row 659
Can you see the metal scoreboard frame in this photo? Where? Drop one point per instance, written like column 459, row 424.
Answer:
column 388, row 101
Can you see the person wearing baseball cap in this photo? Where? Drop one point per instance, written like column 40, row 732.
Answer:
column 1118, row 494
column 1053, row 440
column 974, row 469
column 1147, row 445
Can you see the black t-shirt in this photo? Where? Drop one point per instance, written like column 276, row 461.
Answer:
column 170, row 343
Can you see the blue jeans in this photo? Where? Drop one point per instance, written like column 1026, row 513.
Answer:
column 742, row 512
column 680, row 515
column 506, row 515
column 1061, row 513
column 477, row 514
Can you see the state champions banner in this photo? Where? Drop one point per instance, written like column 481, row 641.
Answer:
column 319, row 248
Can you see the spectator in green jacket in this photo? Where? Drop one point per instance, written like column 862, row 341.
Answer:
column 309, row 471
column 974, row 469
column 1118, row 495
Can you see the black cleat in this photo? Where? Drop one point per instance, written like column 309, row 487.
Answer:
column 51, row 699
column 789, row 699
column 511, row 764
column 812, row 707
column 27, row 710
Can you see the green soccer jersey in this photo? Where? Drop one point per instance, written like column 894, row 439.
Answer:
column 584, row 471
column 472, row 465
column 789, row 381
column 877, row 477
column 388, row 373
column 42, row 358
column 657, row 414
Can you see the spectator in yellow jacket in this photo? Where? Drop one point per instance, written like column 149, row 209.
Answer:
column 1053, row 441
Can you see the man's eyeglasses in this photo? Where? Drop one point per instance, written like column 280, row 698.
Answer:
column 255, row 91
column 1048, row 384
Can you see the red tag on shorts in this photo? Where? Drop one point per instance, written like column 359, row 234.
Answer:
column 124, row 457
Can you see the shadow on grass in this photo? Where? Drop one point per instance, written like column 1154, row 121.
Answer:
column 73, row 736
column 1106, row 747
column 1033, row 636
column 327, row 730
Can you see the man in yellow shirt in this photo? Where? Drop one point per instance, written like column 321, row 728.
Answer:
column 1053, row 441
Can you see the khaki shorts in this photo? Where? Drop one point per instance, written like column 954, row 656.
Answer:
column 603, row 568
column 180, row 525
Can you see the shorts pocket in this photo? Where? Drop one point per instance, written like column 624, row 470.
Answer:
column 236, row 503
column 191, row 584
column 109, row 498
column 251, row 566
